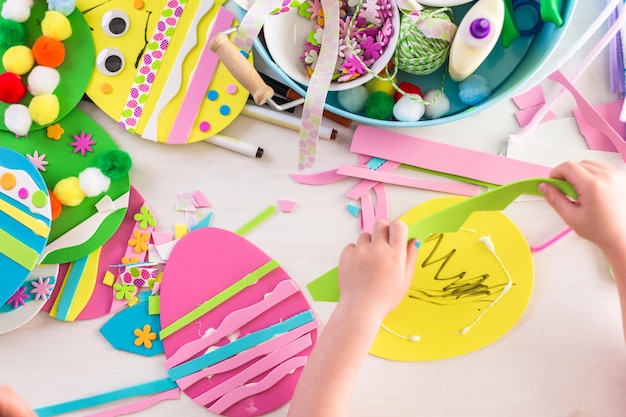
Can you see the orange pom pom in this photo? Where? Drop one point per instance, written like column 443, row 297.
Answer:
column 48, row 52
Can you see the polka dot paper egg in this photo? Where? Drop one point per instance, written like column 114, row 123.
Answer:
column 236, row 329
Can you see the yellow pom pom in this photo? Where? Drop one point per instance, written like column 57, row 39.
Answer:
column 18, row 59
column 56, row 26
column 68, row 192
column 44, row 109
column 375, row 84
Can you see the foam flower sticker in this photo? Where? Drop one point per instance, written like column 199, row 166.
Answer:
column 145, row 217
column 132, row 260
column 42, row 288
column 19, row 298
column 54, row 131
column 124, row 291
column 139, row 241
column 82, row 143
column 145, row 336
column 38, row 160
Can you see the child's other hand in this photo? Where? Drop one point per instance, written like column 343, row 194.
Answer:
column 13, row 406
column 599, row 214
column 375, row 273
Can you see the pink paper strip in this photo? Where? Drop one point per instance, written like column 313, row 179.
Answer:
column 266, row 383
column 199, row 83
column 320, row 178
column 389, row 178
column 524, row 117
column 381, row 211
column 440, row 157
column 530, row 98
column 138, row 405
column 596, row 140
column 160, row 238
column 232, row 322
column 257, row 368
column 366, row 185
column 367, row 213
column 200, row 199
column 248, row 355
column 287, row 206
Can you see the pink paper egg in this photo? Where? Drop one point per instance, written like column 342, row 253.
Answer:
column 209, row 273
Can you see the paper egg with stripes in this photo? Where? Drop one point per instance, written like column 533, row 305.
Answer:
column 25, row 219
column 236, row 329
column 155, row 74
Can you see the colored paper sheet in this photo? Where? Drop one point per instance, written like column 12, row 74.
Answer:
column 595, row 138
column 479, row 300
column 440, row 157
column 127, row 331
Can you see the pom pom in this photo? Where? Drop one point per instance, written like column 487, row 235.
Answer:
column 17, row 10
column 44, row 109
column 17, row 119
column 68, row 192
column 409, row 108
column 474, row 89
column 66, row 7
column 379, row 106
column 12, row 33
column 385, row 86
column 43, row 80
column 407, row 88
column 56, row 26
column 18, row 59
column 353, row 99
column 48, row 52
column 12, row 89
column 439, row 107
column 93, row 182
column 115, row 164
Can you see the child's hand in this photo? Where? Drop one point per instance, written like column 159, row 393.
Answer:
column 599, row 214
column 13, row 406
column 375, row 273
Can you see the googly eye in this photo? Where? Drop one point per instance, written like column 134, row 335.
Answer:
column 480, row 32
column 115, row 23
column 110, row 61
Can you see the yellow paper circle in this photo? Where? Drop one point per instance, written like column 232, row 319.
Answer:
column 463, row 297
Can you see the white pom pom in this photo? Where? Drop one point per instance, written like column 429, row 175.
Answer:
column 440, row 107
column 43, row 80
column 93, row 182
column 408, row 109
column 17, row 10
column 353, row 99
column 17, row 119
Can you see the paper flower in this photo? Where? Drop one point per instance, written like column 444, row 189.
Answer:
column 18, row 298
column 124, row 291
column 145, row 336
column 38, row 160
column 139, row 241
column 371, row 48
column 42, row 288
column 82, row 143
column 145, row 217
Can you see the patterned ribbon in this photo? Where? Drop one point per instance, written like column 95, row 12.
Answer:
column 151, row 61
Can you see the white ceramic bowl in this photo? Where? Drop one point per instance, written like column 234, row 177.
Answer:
column 286, row 33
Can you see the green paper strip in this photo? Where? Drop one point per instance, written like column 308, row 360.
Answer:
column 17, row 251
column 154, row 305
column 450, row 219
column 148, row 388
column 219, row 298
column 246, row 228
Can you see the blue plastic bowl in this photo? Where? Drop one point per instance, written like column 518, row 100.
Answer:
column 506, row 69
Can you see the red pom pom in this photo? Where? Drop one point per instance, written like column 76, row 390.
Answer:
column 48, row 52
column 407, row 88
column 12, row 89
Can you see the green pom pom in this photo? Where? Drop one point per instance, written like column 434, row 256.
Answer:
column 115, row 164
column 379, row 106
column 12, row 33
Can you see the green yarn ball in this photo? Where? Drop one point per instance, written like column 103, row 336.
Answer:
column 417, row 54
column 115, row 164
column 379, row 106
column 12, row 33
